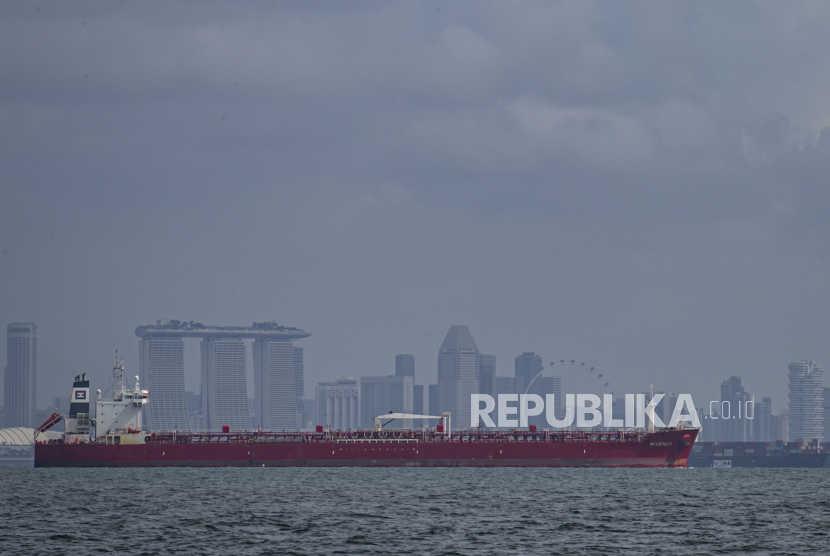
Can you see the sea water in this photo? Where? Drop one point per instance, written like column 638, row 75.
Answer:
column 403, row 511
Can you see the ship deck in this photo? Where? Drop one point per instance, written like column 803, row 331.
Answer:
column 396, row 435
column 390, row 448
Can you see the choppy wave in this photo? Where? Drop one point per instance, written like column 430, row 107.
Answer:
column 405, row 511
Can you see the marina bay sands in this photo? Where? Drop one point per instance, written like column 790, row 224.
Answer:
column 278, row 374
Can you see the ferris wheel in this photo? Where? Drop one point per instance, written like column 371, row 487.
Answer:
column 571, row 377
column 575, row 378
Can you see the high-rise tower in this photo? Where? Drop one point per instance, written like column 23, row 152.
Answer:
column 20, row 378
column 275, row 388
column 299, row 386
column 434, row 401
column 278, row 372
column 735, row 426
column 806, row 400
column 418, row 399
column 224, row 388
column 161, row 363
column 405, row 365
column 458, row 371
column 299, row 379
column 337, row 404
column 762, row 421
column 486, row 374
column 527, row 366
column 384, row 394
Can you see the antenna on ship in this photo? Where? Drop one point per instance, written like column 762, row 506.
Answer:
column 118, row 379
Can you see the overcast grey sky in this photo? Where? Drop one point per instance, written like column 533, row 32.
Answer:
column 640, row 186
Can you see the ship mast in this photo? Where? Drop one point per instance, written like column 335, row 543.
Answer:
column 118, row 379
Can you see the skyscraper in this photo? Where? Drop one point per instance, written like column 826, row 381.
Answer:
column 161, row 363
column 276, row 371
column 275, row 388
column 735, row 426
column 405, row 365
column 418, row 399
column 384, row 394
column 458, row 371
column 224, row 388
column 713, row 431
column 338, row 404
column 543, row 386
column 806, row 400
column 434, row 401
column 527, row 366
column 670, row 403
column 309, row 413
column 299, row 384
column 508, row 385
column 762, row 421
column 487, row 374
column 780, row 426
column 20, row 378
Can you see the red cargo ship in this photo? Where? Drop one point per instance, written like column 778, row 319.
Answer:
column 119, row 442
column 431, row 448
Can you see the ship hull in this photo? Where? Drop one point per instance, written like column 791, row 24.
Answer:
column 661, row 449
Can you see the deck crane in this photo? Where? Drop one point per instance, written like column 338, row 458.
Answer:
column 445, row 419
column 50, row 422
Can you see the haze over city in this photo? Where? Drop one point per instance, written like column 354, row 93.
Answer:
column 643, row 189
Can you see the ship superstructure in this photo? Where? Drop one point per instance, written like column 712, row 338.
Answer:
column 119, row 421
column 77, row 423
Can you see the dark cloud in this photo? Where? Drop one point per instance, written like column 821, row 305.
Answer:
column 639, row 185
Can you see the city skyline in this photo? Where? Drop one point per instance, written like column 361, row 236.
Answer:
column 192, row 370
column 223, row 398
column 526, row 363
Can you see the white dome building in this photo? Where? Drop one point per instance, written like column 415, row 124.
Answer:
column 17, row 446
